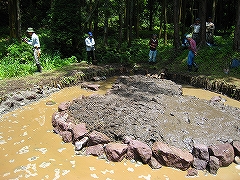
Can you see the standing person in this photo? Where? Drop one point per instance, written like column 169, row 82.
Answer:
column 209, row 31
column 196, row 30
column 90, row 43
column 192, row 53
column 35, row 43
column 153, row 43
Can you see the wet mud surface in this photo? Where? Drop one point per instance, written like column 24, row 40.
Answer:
column 152, row 110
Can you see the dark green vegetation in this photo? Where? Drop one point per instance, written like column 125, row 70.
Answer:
column 121, row 30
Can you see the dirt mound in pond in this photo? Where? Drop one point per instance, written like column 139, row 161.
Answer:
column 154, row 110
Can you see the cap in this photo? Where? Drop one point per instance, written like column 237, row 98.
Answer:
column 90, row 33
column 188, row 36
column 30, row 29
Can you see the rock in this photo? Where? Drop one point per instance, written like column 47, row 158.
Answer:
column 139, row 151
column 66, row 136
column 236, row 147
column 95, row 150
column 18, row 97
column 216, row 99
column 237, row 160
column 213, row 165
column 81, row 143
column 96, row 137
column 59, row 122
column 224, row 152
column 200, row 151
column 192, row 172
column 30, row 95
column 63, row 106
column 154, row 164
column 79, row 130
column 200, row 164
column 8, row 103
column 172, row 156
column 116, row 151
column 93, row 87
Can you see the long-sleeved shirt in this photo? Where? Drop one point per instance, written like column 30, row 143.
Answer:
column 153, row 43
column 192, row 46
column 34, row 41
column 89, row 44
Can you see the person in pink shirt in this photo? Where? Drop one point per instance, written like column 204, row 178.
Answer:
column 192, row 53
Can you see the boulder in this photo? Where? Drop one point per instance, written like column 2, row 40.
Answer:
column 30, row 95
column 200, row 151
column 224, row 152
column 18, row 97
column 172, row 156
column 192, row 172
column 139, row 151
column 154, row 164
column 213, row 165
column 81, row 143
column 63, row 106
column 237, row 160
column 96, row 137
column 115, row 151
column 66, row 136
column 200, row 164
column 79, row 130
column 95, row 150
column 236, row 147
column 93, row 87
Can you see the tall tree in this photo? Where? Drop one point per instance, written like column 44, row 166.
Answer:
column 176, row 40
column 14, row 19
column 202, row 16
column 237, row 29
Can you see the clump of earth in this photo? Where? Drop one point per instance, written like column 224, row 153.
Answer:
column 151, row 109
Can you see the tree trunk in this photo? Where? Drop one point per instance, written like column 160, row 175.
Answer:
column 136, row 22
column 237, row 29
column 165, row 21
column 176, row 40
column 121, row 12
column 14, row 19
column 150, row 6
column 202, row 15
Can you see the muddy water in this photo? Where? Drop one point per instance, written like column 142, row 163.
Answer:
column 29, row 149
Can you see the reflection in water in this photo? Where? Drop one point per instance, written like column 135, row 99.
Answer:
column 29, row 148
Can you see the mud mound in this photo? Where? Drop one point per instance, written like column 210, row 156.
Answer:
column 154, row 110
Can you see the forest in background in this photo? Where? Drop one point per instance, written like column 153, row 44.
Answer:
column 121, row 28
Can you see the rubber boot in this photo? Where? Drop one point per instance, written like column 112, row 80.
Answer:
column 189, row 67
column 39, row 67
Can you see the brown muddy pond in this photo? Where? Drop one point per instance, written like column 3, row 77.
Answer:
column 30, row 150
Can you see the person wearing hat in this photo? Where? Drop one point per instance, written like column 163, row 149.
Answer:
column 196, row 30
column 35, row 43
column 209, row 31
column 90, row 43
column 192, row 53
column 153, row 43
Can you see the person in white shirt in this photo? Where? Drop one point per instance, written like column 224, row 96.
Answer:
column 35, row 43
column 90, row 48
column 196, row 30
column 209, row 31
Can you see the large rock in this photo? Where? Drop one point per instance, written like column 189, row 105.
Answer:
column 200, row 164
column 224, row 152
column 95, row 150
column 139, row 151
column 213, row 165
column 154, row 164
column 236, row 146
column 79, row 130
column 80, row 143
column 115, row 151
column 200, row 151
column 66, row 136
column 96, row 137
column 172, row 156
column 63, row 106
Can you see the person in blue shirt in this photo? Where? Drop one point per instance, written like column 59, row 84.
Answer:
column 35, row 43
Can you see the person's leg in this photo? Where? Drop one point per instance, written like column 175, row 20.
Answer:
column 89, row 56
column 36, row 54
column 150, row 56
column 154, row 56
column 190, row 60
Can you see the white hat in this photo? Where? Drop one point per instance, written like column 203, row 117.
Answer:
column 188, row 36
